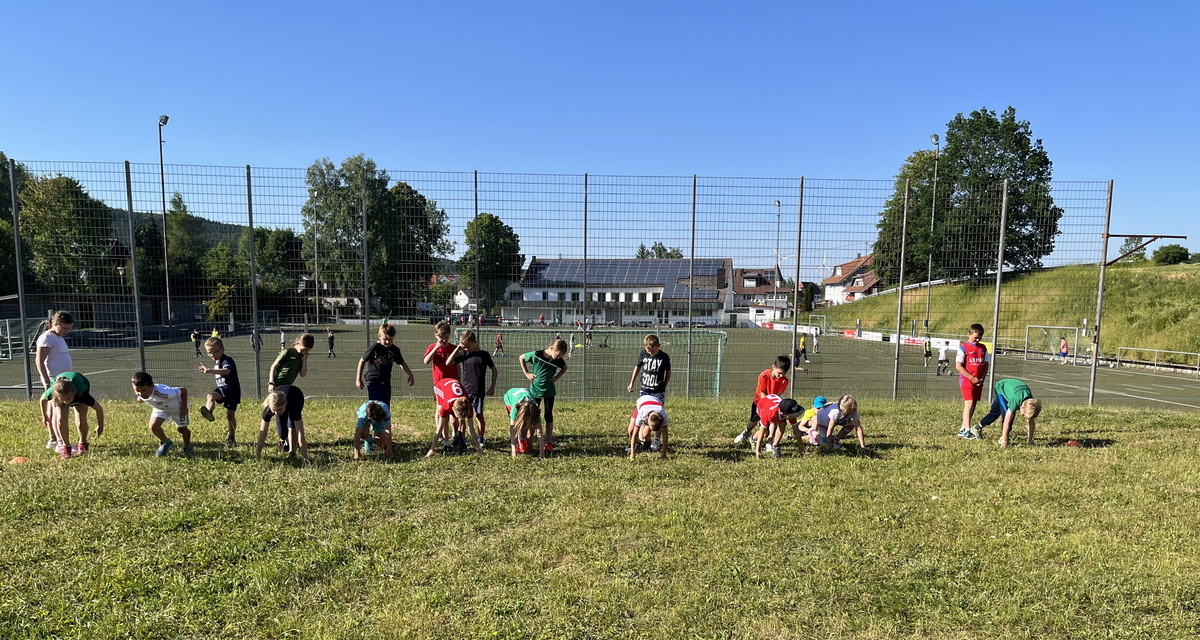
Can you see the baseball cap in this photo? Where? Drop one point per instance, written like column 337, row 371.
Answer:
column 790, row 408
column 819, row 402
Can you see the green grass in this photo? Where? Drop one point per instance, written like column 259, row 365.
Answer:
column 1144, row 306
column 928, row 536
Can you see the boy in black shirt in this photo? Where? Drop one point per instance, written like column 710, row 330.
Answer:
column 473, row 364
column 229, row 389
column 378, row 361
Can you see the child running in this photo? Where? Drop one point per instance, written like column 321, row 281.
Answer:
column 943, row 362
column 377, row 363
column 53, row 359
column 542, row 369
column 374, row 426
column 523, row 419
column 499, row 351
column 655, row 367
column 71, row 389
column 286, row 405
column 773, row 381
column 649, row 417
column 229, row 389
column 972, row 365
column 473, row 364
column 1012, row 396
column 454, row 414
column 773, row 411
column 166, row 403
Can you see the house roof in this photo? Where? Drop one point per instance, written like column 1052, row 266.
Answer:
column 869, row 280
column 711, row 275
column 766, row 278
column 849, row 269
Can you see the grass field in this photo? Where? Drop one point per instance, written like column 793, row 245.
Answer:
column 926, row 536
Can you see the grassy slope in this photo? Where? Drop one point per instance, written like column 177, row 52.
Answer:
column 929, row 537
column 1146, row 306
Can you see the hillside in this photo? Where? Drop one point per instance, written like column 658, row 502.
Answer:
column 1144, row 306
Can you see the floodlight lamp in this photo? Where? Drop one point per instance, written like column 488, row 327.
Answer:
column 933, row 137
column 778, row 204
column 162, row 120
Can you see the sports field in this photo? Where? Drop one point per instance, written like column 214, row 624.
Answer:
column 843, row 366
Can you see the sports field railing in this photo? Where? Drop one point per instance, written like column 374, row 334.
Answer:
column 145, row 254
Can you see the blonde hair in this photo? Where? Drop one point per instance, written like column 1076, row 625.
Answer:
column 559, row 346
column 442, row 330
column 527, row 414
column 214, row 343
column 469, row 338
column 651, row 340
column 848, row 405
column 387, row 329
column 64, row 390
column 305, row 340
column 462, row 408
column 276, row 401
column 1031, row 408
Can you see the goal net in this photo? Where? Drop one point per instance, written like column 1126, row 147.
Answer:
column 610, row 355
column 1043, row 342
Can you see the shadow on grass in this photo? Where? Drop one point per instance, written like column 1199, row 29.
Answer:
column 1088, row 443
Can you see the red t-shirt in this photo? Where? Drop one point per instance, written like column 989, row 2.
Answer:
column 767, row 385
column 441, row 368
column 974, row 358
column 447, row 390
column 768, row 410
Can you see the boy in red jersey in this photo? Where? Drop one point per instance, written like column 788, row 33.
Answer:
column 774, row 412
column 454, row 412
column 972, row 365
column 772, row 381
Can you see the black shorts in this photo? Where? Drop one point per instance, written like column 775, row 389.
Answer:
column 753, row 412
column 85, row 399
column 229, row 401
column 928, row 354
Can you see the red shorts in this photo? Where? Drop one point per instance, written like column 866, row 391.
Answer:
column 971, row 392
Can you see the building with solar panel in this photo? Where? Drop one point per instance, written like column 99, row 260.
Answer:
column 624, row 292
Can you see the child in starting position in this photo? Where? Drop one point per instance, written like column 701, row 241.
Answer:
column 524, row 418
column 842, row 415
column 649, row 417
column 773, row 411
column 542, row 369
column 374, row 427
column 53, row 359
column 286, row 405
column 473, row 364
column 1012, row 396
column 773, row 381
column 229, row 390
column 972, row 365
column 167, row 403
column 454, row 412
column 70, row 389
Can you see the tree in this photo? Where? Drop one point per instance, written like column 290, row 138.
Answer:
column 185, row 248
column 8, row 260
column 1170, row 254
column 982, row 150
column 496, row 248
column 69, row 237
column 405, row 232
column 658, row 251
column 221, row 302
column 1129, row 245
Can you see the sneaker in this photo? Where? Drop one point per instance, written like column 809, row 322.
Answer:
column 549, row 448
column 775, row 453
column 770, row 448
column 460, row 443
column 284, row 446
column 807, row 361
column 522, row 446
column 740, row 437
column 962, row 433
column 82, row 448
column 52, row 444
column 63, row 451
column 367, row 447
column 230, row 443
column 446, row 450
column 186, row 450
column 164, row 448
column 479, row 441
column 976, row 432
column 207, row 413
column 656, row 445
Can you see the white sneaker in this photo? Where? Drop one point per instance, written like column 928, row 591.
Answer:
column 770, row 448
column 656, row 445
column 52, row 444
column 740, row 438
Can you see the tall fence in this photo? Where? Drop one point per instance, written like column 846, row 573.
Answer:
column 152, row 259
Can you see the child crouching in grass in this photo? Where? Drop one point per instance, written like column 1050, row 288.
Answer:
column 167, row 403
column 454, row 413
column 286, row 405
column 842, row 416
column 70, row 389
column 649, row 416
column 374, row 426
column 773, row 412
column 523, row 419
column 1012, row 396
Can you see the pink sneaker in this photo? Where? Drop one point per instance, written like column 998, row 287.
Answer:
column 64, row 451
column 81, row 449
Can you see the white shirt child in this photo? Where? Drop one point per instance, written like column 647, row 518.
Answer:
column 165, row 401
column 58, row 360
column 647, row 405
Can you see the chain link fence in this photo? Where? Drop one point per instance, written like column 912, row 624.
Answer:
column 853, row 276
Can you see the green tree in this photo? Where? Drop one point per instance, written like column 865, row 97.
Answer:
column 8, row 261
column 495, row 248
column 186, row 248
column 1170, row 254
column 69, row 235
column 148, row 250
column 658, row 251
column 1129, row 245
column 405, row 232
column 221, row 302
column 440, row 295
column 982, row 150
column 221, row 264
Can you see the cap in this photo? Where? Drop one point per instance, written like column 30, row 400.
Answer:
column 790, row 408
column 819, row 402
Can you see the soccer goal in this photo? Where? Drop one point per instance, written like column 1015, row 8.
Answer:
column 1042, row 342
column 268, row 320
column 819, row 320
column 611, row 354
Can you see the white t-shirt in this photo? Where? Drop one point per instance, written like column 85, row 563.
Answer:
column 831, row 413
column 165, row 401
column 942, row 352
column 58, row 360
column 647, row 405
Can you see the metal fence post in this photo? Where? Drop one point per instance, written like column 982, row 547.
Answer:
column 478, row 282
column 12, row 186
column 256, row 337
column 996, row 305
column 137, row 296
column 585, row 283
column 796, row 287
column 900, row 296
column 365, row 255
column 691, row 290
column 1100, row 300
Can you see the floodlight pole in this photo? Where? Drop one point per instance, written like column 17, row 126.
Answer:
column 937, row 148
column 162, row 183
column 900, row 297
column 778, row 228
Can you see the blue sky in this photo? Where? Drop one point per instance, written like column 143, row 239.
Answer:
column 823, row 90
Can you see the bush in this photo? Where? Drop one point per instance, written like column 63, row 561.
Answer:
column 1170, row 254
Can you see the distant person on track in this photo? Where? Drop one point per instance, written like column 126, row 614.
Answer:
column 943, row 364
column 1062, row 349
column 330, row 337
column 928, row 350
column 196, row 342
